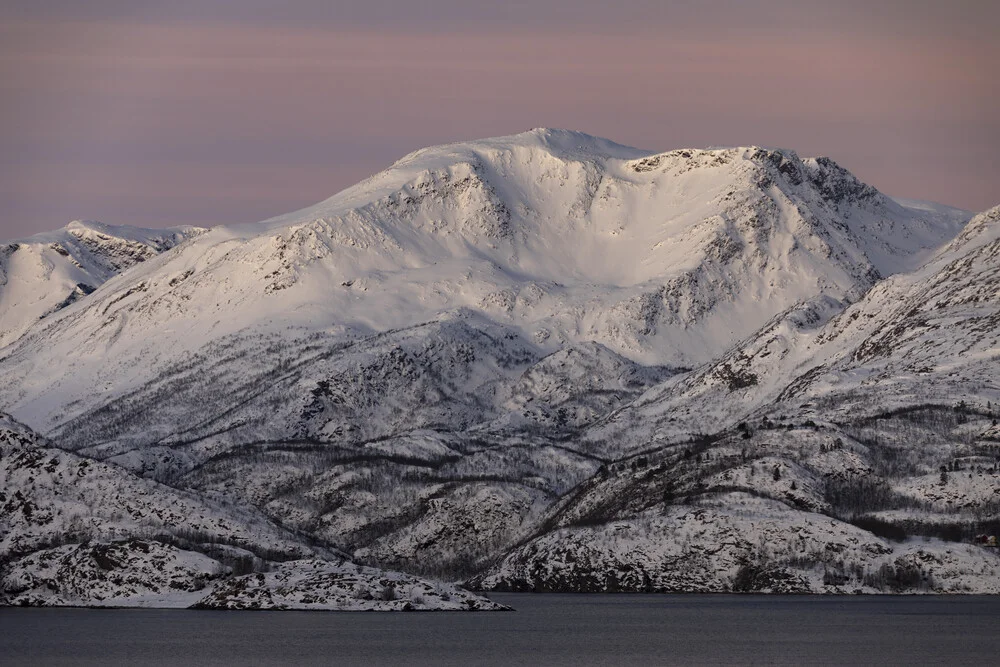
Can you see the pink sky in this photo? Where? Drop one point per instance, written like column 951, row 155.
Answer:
column 212, row 112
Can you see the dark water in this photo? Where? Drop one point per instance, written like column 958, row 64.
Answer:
column 546, row 630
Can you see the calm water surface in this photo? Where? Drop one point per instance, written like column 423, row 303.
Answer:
column 546, row 630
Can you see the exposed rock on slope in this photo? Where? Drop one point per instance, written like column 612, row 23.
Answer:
column 77, row 532
column 931, row 336
column 321, row 585
column 49, row 271
column 50, row 496
column 137, row 573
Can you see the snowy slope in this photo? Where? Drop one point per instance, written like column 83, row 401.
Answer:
column 931, row 336
column 134, row 573
column 49, row 271
column 774, row 507
column 50, row 496
column 744, row 546
column 881, row 418
column 143, row 573
column 322, row 585
column 79, row 532
column 501, row 356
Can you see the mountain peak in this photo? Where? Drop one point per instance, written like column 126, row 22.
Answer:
column 490, row 347
column 573, row 142
column 46, row 272
column 665, row 258
column 566, row 144
column 86, row 224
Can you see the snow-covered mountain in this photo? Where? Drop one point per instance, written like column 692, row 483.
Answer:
column 498, row 356
column 881, row 417
column 79, row 532
column 925, row 337
column 664, row 258
column 49, row 271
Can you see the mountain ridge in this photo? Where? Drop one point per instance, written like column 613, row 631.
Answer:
column 530, row 361
column 44, row 273
column 562, row 250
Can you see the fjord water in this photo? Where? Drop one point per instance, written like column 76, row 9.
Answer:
column 545, row 630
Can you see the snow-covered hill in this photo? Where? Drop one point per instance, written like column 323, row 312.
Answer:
column 537, row 361
column 47, row 272
column 48, row 495
column 775, row 506
column 882, row 417
column 931, row 336
column 79, row 532
column 664, row 258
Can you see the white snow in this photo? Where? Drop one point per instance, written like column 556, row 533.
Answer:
column 666, row 259
column 548, row 351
